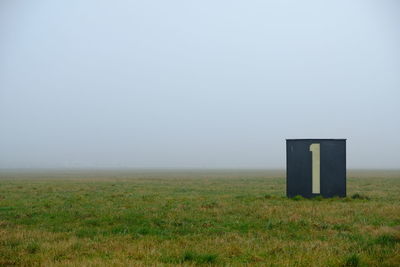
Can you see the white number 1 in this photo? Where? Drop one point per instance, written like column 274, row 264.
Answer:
column 315, row 151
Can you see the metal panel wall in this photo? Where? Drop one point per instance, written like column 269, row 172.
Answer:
column 321, row 162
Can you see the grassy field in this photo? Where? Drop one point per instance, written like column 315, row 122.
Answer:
column 232, row 218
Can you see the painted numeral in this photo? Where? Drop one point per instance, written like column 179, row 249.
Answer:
column 316, row 185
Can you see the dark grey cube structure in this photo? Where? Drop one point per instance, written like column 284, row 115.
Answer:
column 316, row 167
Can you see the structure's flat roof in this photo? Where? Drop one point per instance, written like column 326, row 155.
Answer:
column 320, row 139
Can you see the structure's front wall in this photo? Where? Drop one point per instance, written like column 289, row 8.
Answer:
column 316, row 167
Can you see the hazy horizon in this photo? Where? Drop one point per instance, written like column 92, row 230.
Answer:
column 196, row 85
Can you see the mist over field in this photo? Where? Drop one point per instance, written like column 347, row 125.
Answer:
column 196, row 84
column 152, row 133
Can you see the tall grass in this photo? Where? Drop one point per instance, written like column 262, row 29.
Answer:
column 193, row 218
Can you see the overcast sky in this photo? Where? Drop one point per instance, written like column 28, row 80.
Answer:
column 196, row 84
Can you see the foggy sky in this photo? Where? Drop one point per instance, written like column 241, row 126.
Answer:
column 196, row 84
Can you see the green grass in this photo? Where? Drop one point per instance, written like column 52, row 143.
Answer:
column 193, row 218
